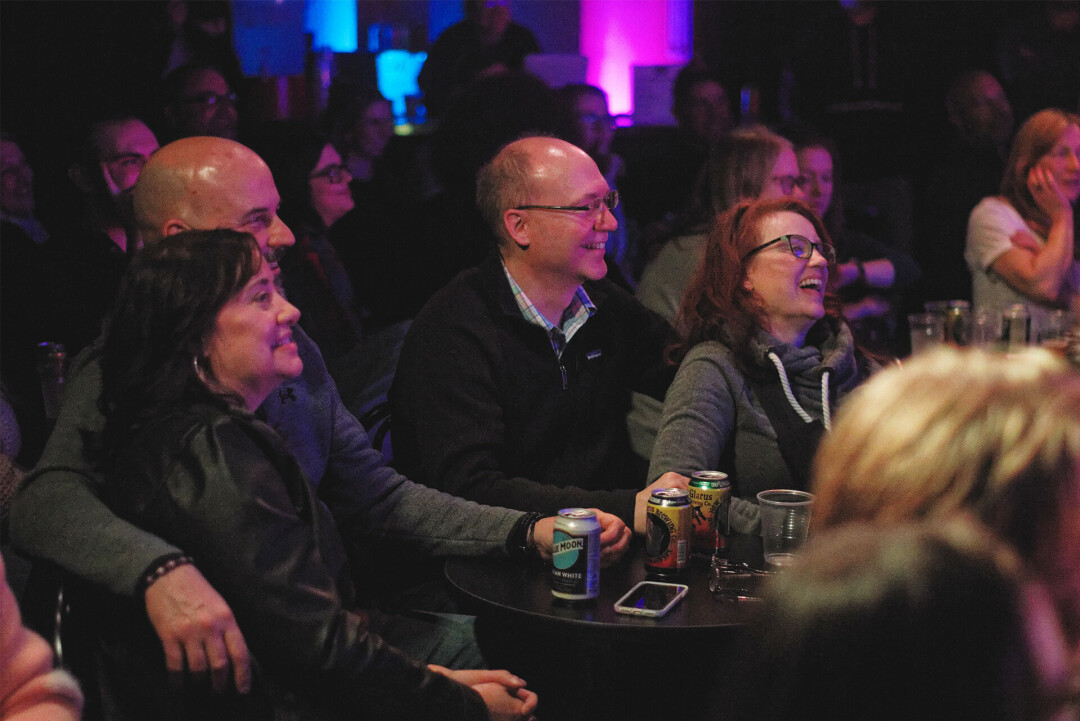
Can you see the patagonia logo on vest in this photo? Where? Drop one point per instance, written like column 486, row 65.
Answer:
column 594, row 354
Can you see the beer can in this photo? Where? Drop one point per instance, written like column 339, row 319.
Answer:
column 710, row 495
column 575, row 573
column 669, row 518
column 1016, row 327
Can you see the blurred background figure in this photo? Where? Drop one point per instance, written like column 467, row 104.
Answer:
column 966, row 431
column 88, row 258
column 30, row 688
column 593, row 130
column 1021, row 244
column 24, row 289
column 197, row 100
column 17, row 190
column 360, row 122
column 314, row 187
column 486, row 42
column 931, row 621
column 662, row 167
column 870, row 276
column 968, row 170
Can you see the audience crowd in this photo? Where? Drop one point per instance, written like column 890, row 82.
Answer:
column 307, row 359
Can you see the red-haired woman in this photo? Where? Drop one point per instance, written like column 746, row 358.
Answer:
column 765, row 356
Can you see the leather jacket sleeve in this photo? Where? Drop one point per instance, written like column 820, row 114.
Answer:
column 238, row 504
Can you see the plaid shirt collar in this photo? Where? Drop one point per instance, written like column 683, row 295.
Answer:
column 581, row 308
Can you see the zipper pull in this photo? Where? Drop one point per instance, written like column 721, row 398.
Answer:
column 562, row 370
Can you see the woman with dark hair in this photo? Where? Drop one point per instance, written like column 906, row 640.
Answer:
column 765, row 355
column 314, row 187
column 199, row 338
column 1021, row 244
column 870, row 276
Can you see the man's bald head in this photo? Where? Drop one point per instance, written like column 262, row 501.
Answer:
column 205, row 183
column 516, row 173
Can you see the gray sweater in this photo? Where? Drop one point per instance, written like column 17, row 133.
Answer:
column 59, row 516
column 711, row 404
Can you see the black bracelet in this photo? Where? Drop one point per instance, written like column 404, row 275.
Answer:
column 159, row 567
column 520, row 542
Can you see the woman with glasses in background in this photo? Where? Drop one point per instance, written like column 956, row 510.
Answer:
column 870, row 276
column 765, row 356
column 314, row 187
column 747, row 164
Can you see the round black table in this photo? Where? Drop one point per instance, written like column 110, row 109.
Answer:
column 588, row 662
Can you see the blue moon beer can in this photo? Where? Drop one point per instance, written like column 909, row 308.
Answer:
column 668, row 524
column 575, row 573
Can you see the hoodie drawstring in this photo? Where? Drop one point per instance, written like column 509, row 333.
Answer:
column 825, row 412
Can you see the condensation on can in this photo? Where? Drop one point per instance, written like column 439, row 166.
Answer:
column 710, row 494
column 575, row 572
column 668, row 523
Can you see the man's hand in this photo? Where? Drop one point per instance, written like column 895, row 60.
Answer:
column 194, row 623
column 614, row 537
column 504, row 693
column 671, row 479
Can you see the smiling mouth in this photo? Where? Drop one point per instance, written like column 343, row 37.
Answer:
column 595, row 246
column 284, row 341
column 814, row 284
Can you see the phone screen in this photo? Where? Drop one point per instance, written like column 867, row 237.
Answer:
column 650, row 598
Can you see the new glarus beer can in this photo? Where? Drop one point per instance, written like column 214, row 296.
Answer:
column 667, row 531
column 575, row 575
column 710, row 494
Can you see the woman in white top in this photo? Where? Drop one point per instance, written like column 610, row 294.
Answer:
column 1020, row 244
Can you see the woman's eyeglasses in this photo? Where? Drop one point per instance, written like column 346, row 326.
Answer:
column 788, row 183
column 801, row 247
column 334, row 173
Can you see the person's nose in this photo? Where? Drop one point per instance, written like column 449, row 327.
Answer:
column 606, row 221
column 288, row 314
column 280, row 236
column 1072, row 161
column 797, row 192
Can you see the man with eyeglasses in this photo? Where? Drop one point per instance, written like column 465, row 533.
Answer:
column 88, row 259
column 513, row 382
column 199, row 102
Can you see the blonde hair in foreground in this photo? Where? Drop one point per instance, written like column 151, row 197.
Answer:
column 955, row 430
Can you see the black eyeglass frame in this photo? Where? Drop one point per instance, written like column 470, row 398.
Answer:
column 335, row 174
column 826, row 251
column 610, row 200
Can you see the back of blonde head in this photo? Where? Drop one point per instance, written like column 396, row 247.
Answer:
column 954, row 430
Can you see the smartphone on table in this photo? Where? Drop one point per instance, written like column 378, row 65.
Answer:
column 651, row 598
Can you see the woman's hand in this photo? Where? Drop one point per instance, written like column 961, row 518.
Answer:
column 1047, row 194
column 671, row 479
column 504, row 693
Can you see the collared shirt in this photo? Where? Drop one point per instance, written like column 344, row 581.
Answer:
column 581, row 308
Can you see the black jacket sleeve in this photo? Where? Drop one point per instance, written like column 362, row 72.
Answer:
column 242, row 509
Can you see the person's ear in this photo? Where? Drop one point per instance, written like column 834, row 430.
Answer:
column 174, row 226
column 78, row 176
column 514, row 222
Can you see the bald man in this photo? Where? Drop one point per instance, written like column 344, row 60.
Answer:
column 205, row 183
column 513, row 382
